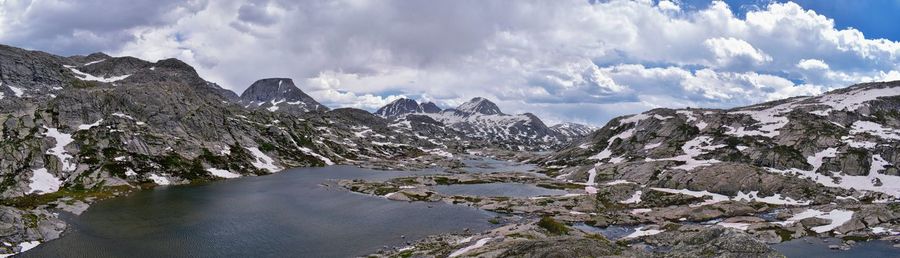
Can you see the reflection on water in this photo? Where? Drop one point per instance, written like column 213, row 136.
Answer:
column 288, row 214
column 516, row 190
column 489, row 165
column 613, row 232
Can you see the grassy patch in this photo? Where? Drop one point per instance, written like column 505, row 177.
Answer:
column 33, row 201
column 560, row 186
column 553, row 226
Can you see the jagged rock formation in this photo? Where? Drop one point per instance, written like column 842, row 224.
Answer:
column 572, row 130
column 837, row 145
column 279, row 94
column 482, row 120
column 405, row 106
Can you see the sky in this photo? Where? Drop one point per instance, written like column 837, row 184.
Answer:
column 583, row 61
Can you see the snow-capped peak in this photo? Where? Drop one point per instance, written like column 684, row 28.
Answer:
column 479, row 105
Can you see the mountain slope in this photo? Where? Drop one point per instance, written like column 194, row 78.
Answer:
column 837, row 145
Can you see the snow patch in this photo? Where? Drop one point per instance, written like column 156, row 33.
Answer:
column 17, row 91
column 769, row 120
column 314, row 154
column 263, row 161
column 464, row 250
column 93, row 62
column 640, row 232
column 438, row 152
column 642, row 210
column 123, row 115
column 652, row 146
column 606, row 153
column 634, row 118
column 42, row 182
column 716, row 198
column 692, row 149
column 89, row 126
column 635, row 198
column 62, row 139
column 874, row 181
column 222, row 173
column 24, row 246
column 753, row 196
column 776, row 199
column 589, row 185
column 837, row 218
column 619, row 182
column 274, row 106
column 159, row 180
column 88, row 77
column 854, row 99
column 740, row 226
column 875, row 129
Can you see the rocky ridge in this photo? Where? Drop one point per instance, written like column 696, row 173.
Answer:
column 844, row 140
column 482, row 120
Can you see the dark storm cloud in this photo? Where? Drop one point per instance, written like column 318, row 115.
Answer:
column 84, row 26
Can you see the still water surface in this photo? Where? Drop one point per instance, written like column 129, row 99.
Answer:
column 289, row 214
column 816, row 247
column 516, row 190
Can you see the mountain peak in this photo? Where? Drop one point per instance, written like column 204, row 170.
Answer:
column 404, row 106
column 399, row 107
column 430, row 107
column 274, row 92
column 481, row 106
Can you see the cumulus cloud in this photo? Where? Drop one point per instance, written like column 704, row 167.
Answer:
column 569, row 60
column 668, row 5
column 812, row 64
column 731, row 51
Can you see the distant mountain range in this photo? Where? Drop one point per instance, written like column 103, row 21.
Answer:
column 481, row 119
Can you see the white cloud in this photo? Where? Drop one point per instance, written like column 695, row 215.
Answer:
column 668, row 5
column 564, row 60
column 812, row 64
column 732, row 50
column 706, row 87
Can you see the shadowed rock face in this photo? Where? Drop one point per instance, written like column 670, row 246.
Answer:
column 400, row 107
column 279, row 94
column 430, row 107
column 404, row 106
